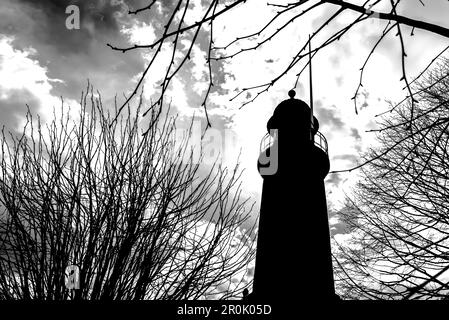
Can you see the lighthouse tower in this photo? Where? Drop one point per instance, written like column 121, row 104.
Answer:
column 293, row 260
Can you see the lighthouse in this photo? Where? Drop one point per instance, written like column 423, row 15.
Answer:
column 293, row 260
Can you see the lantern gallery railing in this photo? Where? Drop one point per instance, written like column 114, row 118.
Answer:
column 319, row 140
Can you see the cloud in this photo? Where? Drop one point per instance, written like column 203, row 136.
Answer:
column 13, row 105
column 74, row 55
column 355, row 134
column 352, row 158
column 24, row 81
column 328, row 116
column 48, row 21
column 337, row 227
column 334, row 179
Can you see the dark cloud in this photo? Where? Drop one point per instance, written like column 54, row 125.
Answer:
column 338, row 228
column 168, row 5
column 74, row 55
column 334, row 179
column 97, row 17
column 355, row 134
column 328, row 117
column 14, row 107
column 219, row 75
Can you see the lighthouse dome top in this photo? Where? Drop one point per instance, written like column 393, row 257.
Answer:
column 292, row 94
column 292, row 113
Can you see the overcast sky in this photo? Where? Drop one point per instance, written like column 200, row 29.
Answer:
column 41, row 60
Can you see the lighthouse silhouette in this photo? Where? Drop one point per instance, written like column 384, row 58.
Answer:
column 293, row 259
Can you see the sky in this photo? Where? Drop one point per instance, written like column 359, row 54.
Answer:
column 41, row 61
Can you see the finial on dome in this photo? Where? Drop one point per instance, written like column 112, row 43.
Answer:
column 292, row 94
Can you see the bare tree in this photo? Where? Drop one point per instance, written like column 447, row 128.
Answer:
column 398, row 216
column 176, row 31
column 133, row 212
